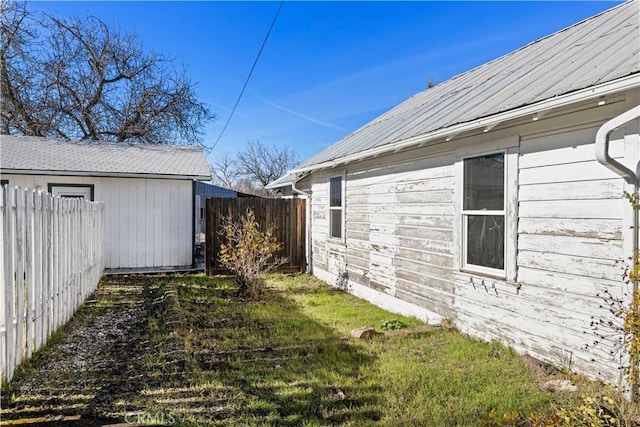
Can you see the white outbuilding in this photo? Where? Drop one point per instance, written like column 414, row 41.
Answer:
column 148, row 192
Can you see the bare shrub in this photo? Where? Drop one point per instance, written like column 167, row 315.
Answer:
column 249, row 253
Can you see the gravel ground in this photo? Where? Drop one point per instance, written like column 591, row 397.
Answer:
column 90, row 364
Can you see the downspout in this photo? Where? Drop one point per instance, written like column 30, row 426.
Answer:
column 309, row 216
column 602, row 145
column 602, row 155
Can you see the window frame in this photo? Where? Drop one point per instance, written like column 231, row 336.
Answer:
column 465, row 214
column 91, row 187
column 335, row 208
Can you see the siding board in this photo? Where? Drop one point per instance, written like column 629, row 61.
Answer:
column 569, row 245
column 422, row 284
column 564, row 282
column 579, row 266
column 426, row 233
column 585, row 227
column 435, row 259
column 429, row 245
column 425, row 222
column 578, row 148
column 140, row 232
column 573, row 209
column 426, row 197
column 572, row 172
column 440, row 303
column 427, row 184
column 595, row 190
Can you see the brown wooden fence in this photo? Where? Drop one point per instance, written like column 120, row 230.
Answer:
column 286, row 215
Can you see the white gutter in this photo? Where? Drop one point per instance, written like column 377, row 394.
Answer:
column 308, row 219
column 602, row 144
column 594, row 92
column 602, row 155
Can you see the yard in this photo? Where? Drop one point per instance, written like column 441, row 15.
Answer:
column 184, row 350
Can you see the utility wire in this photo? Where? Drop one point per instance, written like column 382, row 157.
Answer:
column 246, row 82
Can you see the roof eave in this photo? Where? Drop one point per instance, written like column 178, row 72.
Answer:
column 104, row 174
column 625, row 83
column 274, row 185
column 284, row 181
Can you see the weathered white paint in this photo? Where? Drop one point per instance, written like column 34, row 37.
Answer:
column 147, row 221
column 52, row 258
column 566, row 233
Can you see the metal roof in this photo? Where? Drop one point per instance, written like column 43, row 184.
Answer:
column 210, row 190
column 597, row 50
column 281, row 182
column 99, row 158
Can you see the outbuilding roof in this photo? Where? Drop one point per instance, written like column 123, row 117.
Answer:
column 210, row 190
column 600, row 49
column 26, row 154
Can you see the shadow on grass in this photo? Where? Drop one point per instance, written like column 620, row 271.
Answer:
column 266, row 362
column 91, row 363
column 184, row 350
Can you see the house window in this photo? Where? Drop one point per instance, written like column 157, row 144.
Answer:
column 335, row 207
column 483, row 213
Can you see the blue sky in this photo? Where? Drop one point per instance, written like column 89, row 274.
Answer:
column 328, row 67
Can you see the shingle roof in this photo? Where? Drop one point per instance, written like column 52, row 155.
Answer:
column 96, row 158
column 599, row 49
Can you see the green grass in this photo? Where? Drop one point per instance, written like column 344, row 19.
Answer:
column 204, row 357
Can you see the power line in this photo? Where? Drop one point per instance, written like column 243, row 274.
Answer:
column 246, row 82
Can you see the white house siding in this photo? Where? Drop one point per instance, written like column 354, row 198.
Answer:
column 147, row 221
column 569, row 243
column 569, row 238
column 398, row 232
column 320, row 225
column 566, row 215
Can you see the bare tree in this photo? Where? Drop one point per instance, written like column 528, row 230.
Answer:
column 253, row 167
column 16, row 37
column 265, row 163
column 225, row 171
column 82, row 79
column 247, row 186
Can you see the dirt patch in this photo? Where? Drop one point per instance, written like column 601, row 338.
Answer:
column 93, row 364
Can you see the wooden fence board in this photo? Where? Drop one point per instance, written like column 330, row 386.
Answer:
column 287, row 216
column 52, row 258
column 20, row 271
column 30, row 270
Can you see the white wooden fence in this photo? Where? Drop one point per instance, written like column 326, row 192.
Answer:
column 51, row 259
